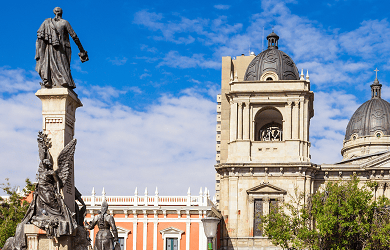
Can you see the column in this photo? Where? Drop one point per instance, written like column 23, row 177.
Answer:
column 295, row 122
column 381, row 189
column 301, row 120
column 288, row 124
column 31, row 232
column 233, row 121
column 246, row 123
column 155, row 223
column 232, row 206
column 188, row 228
column 59, row 116
column 251, row 212
column 145, row 231
column 201, row 231
column 266, row 205
column 135, row 230
column 239, row 123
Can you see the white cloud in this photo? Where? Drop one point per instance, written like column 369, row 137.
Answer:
column 327, row 128
column 14, row 80
column 76, row 65
column 117, row 61
column 175, row 60
column 222, row 6
column 119, row 148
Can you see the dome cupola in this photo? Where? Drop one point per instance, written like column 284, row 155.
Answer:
column 368, row 130
column 272, row 64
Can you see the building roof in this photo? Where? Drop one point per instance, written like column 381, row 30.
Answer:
column 371, row 117
column 273, row 60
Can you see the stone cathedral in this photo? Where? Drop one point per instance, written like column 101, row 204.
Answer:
column 263, row 145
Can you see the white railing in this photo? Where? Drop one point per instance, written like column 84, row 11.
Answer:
column 203, row 199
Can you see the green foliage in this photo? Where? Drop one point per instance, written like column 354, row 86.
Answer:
column 12, row 209
column 343, row 216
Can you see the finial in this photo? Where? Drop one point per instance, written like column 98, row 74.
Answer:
column 376, row 86
column 307, row 76
column 302, row 76
column 205, row 191
column 189, row 191
column 146, row 191
column 200, row 192
column 104, row 192
column 231, row 76
column 136, row 191
column 273, row 27
column 156, row 193
column 93, row 191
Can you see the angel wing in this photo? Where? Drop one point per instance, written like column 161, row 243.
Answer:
column 65, row 161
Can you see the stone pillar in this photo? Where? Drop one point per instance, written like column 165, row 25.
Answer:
column 59, row 116
column 135, row 222
column 31, row 232
column 155, row 233
column 246, row 127
column 145, row 231
column 288, row 125
column 295, row 121
column 239, row 123
column 233, row 122
column 188, row 230
column 381, row 189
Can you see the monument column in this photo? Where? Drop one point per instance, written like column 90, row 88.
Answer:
column 59, row 116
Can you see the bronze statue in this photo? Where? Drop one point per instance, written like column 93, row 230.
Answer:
column 104, row 239
column 53, row 52
column 48, row 210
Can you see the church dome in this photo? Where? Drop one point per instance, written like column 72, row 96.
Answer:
column 372, row 118
column 272, row 60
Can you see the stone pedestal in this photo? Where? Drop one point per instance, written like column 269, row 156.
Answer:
column 59, row 110
column 37, row 240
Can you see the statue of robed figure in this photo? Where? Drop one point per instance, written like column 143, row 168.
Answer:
column 53, row 52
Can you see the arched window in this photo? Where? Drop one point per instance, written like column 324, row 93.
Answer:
column 269, row 79
column 268, row 125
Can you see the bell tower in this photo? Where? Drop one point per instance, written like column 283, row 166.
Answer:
column 263, row 119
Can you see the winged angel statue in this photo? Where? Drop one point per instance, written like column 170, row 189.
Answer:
column 48, row 210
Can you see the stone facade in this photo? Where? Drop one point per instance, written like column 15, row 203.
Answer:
column 263, row 148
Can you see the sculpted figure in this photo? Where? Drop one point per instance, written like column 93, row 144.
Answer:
column 53, row 52
column 48, row 210
column 104, row 239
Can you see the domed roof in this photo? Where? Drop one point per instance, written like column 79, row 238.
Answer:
column 273, row 60
column 371, row 116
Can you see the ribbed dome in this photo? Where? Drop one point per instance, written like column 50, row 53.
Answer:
column 273, row 60
column 371, row 116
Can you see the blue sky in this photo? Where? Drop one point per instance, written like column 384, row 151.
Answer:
column 149, row 89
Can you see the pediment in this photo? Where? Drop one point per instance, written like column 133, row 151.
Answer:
column 380, row 161
column 266, row 188
column 122, row 230
column 171, row 230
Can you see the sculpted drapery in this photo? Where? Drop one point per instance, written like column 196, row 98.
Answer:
column 53, row 52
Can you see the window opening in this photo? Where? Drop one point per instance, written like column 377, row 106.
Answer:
column 172, row 244
column 257, row 228
column 271, row 132
column 269, row 79
column 121, row 242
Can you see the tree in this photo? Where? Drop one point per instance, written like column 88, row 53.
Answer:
column 342, row 216
column 12, row 209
